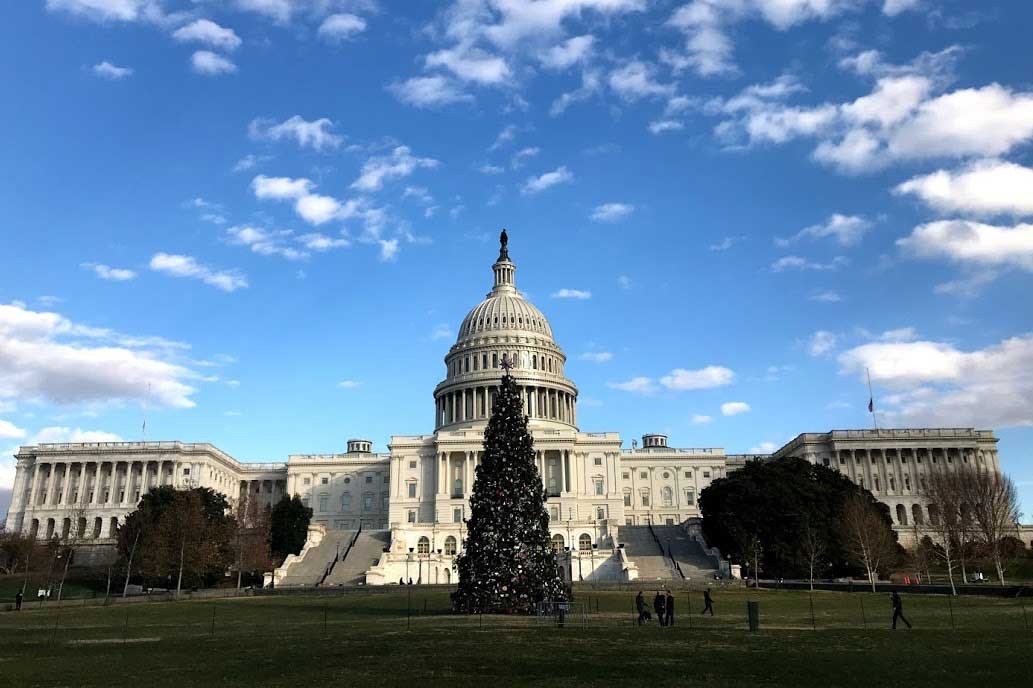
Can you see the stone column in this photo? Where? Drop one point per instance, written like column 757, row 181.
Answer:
column 564, row 468
column 448, row 474
column 51, row 485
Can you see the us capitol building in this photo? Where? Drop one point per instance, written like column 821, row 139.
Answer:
column 382, row 517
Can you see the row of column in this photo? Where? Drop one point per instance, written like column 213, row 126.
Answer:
column 475, row 403
column 898, row 476
column 77, row 480
column 447, row 462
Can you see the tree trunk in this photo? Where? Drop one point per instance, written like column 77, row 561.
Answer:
column 129, row 565
column 1000, row 568
column 871, row 576
column 182, row 553
column 812, row 576
column 68, row 560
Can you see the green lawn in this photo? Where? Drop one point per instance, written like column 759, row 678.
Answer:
column 364, row 639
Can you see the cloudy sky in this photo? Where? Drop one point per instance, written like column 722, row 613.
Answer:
column 257, row 223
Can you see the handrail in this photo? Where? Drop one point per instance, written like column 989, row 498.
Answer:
column 330, row 569
column 666, row 554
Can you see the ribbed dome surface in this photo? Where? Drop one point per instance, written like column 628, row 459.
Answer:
column 504, row 312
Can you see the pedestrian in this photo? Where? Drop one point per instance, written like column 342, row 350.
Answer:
column 658, row 607
column 898, row 610
column 18, row 601
column 708, row 603
column 401, row 581
column 669, row 606
column 640, row 606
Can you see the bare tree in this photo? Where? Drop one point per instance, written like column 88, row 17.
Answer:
column 868, row 538
column 813, row 545
column 944, row 492
column 76, row 534
column 251, row 537
column 995, row 510
column 750, row 548
column 136, row 526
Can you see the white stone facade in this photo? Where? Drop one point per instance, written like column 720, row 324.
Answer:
column 420, row 488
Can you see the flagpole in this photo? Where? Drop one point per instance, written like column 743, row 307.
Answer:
column 871, row 400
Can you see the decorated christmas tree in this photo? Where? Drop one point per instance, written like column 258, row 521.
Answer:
column 508, row 564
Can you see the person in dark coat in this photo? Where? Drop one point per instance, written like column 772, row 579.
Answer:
column 658, row 606
column 640, row 605
column 18, row 597
column 708, row 603
column 898, row 610
column 669, row 606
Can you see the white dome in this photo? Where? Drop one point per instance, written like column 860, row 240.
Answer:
column 504, row 312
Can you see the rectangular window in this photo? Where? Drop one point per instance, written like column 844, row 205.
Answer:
column 599, row 487
column 387, row 479
column 412, row 464
column 369, row 479
column 186, row 471
column 645, row 499
column 706, row 474
column 322, row 503
column 626, row 475
column 457, row 515
column 842, row 461
column 877, row 485
column 412, row 490
column 307, row 481
column 688, row 474
column 324, row 481
column 600, row 512
column 367, row 502
column 893, row 484
column 554, row 513
column 627, row 499
column 690, row 497
column 643, row 475
column 825, row 461
column 383, row 502
column 598, row 461
column 411, row 516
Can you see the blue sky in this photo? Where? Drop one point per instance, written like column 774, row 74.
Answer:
column 258, row 223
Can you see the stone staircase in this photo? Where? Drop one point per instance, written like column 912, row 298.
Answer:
column 652, row 560
column 363, row 555
column 310, row 569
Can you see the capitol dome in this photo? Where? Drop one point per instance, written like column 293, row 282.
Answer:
column 506, row 325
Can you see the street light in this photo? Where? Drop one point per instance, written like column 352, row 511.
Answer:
column 594, row 547
column 408, row 558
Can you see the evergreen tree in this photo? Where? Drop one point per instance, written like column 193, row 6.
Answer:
column 288, row 528
column 507, row 564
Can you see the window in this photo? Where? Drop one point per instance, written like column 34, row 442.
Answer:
column 457, row 515
column 346, row 481
column 346, row 501
column 841, row 460
column 667, row 476
column 412, row 464
column 554, row 513
column 450, row 546
column 598, row 461
column 411, row 516
column 423, row 545
column 893, row 484
column 367, row 502
column 878, row 486
column 322, row 502
column 706, row 474
column 306, row 481
column 825, row 461
column 324, row 481
column 383, row 501
column 412, row 490
column 387, row 479
column 645, row 499
column 668, row 496
column 600, row 512
column 369, row 479
column 690, row 497
column 627, row 498
column 598, row 486
column 907, row 483
column 186, row 471
column 557, row 543
column 626, row 476
column 643, row 475
column 688, row 474
column 584, row 543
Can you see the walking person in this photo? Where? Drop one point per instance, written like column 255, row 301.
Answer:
column 898, row 610
column 640, row 606
column 658, row 607
column 18, row 597
column 669, row 606
column 708, row 603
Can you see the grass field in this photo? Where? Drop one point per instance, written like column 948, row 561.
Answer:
column 364, row 638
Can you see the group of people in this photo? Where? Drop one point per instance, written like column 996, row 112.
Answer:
column 663, row 606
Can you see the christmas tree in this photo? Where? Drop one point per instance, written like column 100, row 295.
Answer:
column 507, row 564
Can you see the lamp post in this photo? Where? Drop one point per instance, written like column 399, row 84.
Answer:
column 419, row 570
column 595, row 546
column 437, row 578
column 408, row 558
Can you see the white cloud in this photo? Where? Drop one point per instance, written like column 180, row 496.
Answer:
column 379, row 169
column 507, row 134
column 349, row 384
column 280, row 188
column 388, row 249
column 470, row 64
column 107, row 70
column 661, row 126
column 827, row 296
column 342, row 26
column 699, row 419
column 44, row 356
column 109, row 273
column 798, row 263
column 104, row 10
column 208, row 32
column 186, row 266
column 591, row 83
column 572, row 294
column 441, row 332
column 316, row 134
column 568, row 53
column 936, row 384
column 636, row 80
column 596, row 356
column 726, row 243
column 612, row 212
column 848, row 230
column 533, row 185
column 984, row 187
column 277, row 10
column 428, row 92
column 58, row 434
column 821, row 343
column 317, row 209
column 521, row 156
column 763, row 448
column 264, row 242
column 211, row 64
column 491, row 169
column 250, row 161
column 8, row 431
column 321, row 242
column 705, row 378
column 638, row 385
column 972, row 244
column 734, row 408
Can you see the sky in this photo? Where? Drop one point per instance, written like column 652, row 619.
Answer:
column 258, row 223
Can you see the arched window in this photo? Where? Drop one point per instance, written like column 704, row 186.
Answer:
column 450, row 546
column 423, row 545
column 901, row 514
column 668, row 496
column 916, row 515
column 584, row 543
column 557, row 543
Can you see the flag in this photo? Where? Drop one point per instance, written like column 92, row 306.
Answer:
column 871, row 405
